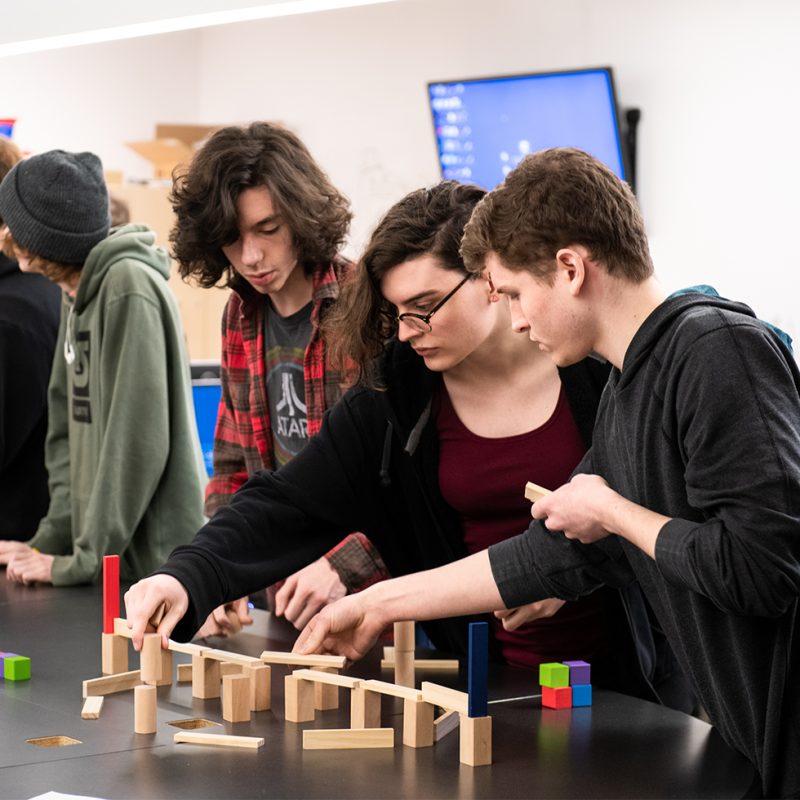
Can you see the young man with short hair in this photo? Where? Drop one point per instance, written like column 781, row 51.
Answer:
column 256, row 213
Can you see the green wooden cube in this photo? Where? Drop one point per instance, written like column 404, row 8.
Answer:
column 17, row 668
column 554, row 675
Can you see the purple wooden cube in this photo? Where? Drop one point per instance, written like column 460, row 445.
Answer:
column 580, row 673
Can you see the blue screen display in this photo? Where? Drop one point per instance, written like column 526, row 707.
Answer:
column 484, row 128
column 206, row 396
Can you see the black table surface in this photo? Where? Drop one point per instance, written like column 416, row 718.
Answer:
column 618, row 747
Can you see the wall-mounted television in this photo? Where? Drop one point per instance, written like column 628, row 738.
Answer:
column 485, row 127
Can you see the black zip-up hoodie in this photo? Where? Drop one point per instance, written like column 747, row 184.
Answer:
column 374, row 467
column 702, row 425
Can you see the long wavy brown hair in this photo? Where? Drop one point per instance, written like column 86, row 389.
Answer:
column 236, row 158
column 425, row 221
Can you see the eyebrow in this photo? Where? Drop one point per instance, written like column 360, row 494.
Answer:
column 267, row 221
column 427, row 293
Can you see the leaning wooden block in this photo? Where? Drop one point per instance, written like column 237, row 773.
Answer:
column 346, row 739
column 272, row 657
column 299, row 697
column 365, row 708
column 191, row 737
column 450, row 699
column 553, row 675
column 404, row 692
column 205, row 677
column 534, row 492
column 92, row 707
column 115, row 654
column 231, row 658
column 112, row 683
column 236, row 698
column 150, row 659
column 144, row 709
column 260, row 686
column 475, row 744
column 417, row 723
column 445, row 724
column 558, row 697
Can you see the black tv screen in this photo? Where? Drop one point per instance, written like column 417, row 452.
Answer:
column 485, row 127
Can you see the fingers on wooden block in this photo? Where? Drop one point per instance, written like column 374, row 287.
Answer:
column 534, row 492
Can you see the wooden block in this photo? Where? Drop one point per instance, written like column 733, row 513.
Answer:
column 112, row 683
column 115, row 654
column 226, row 668
column 166, row 669
column 236, row 623
column 404, row 639
column 299, row 696
column 231, row 658
column 404, row 674
column 388, row 653
column 582, row 695
column 205, row 677
column 150, row 658
column 348, row 739
column 145, row 704
column 365, row 708
column 121, row 628
column 236, row 698
column 184, row 673
column 110, row 592
column 426, row 664
column 534, row 492
column 326, row 695
column 191, row 737
column 553, row 674
column 272, row 657
column 332, row 677
column 450, row 699
column 580, row 673
column 478, row 676
column 92, row 706
column 445, row 724
column 188, row 648
column 393, row 689
column 475, row 744
column 417, row 723
column 557, row 697
column 260, row 686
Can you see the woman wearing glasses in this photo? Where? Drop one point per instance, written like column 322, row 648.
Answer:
column 428, row 454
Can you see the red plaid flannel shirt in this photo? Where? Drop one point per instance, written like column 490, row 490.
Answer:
column 243, row 437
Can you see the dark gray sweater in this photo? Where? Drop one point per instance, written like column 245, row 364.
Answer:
column 702, row 425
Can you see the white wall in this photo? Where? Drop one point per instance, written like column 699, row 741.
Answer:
column 717, row 82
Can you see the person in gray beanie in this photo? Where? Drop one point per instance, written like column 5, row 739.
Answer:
column 126, row 472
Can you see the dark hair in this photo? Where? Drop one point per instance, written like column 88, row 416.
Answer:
column 236, row 158
column 9, row 155
column 56, row 271
column 426, row 221
column 554, row 199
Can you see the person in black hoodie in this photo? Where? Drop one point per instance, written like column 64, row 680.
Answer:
column 30, row 308
column 692, row 484
column 428, row 455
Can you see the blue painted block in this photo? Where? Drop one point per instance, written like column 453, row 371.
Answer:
column 582, row 695
column 580, row 673
column 478, row 678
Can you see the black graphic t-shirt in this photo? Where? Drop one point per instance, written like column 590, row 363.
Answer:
column 285, row 342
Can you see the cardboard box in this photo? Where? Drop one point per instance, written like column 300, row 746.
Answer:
column 174, row 145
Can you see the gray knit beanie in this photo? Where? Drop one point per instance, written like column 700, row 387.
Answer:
column 56, row 205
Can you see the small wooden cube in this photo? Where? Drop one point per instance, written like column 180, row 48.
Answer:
column 559, row 697
column 553, row 675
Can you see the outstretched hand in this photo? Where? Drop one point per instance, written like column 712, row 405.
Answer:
column 303, row 594
column 30, row 566
column 512, row 618
column 222, row 621
column 155, row 605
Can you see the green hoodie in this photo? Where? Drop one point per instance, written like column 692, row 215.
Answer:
column 123, row 455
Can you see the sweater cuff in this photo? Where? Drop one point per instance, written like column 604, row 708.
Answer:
column 516, row 581
column 672, row 546
column 357, row 563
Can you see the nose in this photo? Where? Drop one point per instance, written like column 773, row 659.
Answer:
column 518, row 321
column 251, row 251
column 405, row 332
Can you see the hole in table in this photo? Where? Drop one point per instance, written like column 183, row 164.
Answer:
column 53, row 741
column 193, row 724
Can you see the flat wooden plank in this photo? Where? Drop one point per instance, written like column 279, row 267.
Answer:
column 274, row 657
column 92, row 706
column 348, row 739
column 447, row 698
column 191, row 737
column 121, row 628
column 393, row 689
column 110, row 684
column 328, row 677
column 533, row 492
column 188, row 648
column 231, row 658
column 445, row 724
column 432, row 664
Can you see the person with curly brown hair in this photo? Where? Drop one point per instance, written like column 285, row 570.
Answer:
column 256, row 213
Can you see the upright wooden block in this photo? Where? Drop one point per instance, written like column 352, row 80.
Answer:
column 260, row 686
column 144, row 709
column 478, row 677
column 110, row 592
column 184, row 673
column 475, row 744
column 365, row 708
column 150, row 659
column 403, row 637
column 417, row 723
column 205, row 677
column 404, row 672
column 236, row 698
column 92, row 707
column 299, row 696
column 326, row 695
column 226, row 668
column 445, row 724
column 115, row 654
column 553, row 675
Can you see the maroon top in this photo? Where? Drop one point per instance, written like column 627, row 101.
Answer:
column 484, row 481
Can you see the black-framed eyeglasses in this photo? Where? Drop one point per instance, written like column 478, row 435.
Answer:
column 422, row 322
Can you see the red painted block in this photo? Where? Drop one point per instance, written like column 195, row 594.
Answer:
column 560, row 697
column 110, row 592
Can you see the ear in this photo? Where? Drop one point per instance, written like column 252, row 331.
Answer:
column 571, row 264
